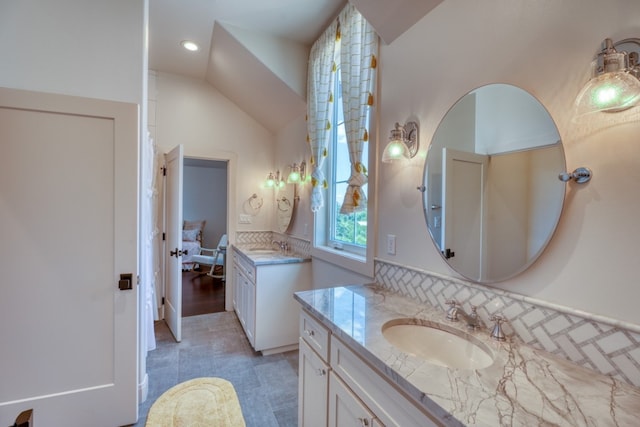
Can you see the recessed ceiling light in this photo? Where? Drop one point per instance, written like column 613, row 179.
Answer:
column 189, row 45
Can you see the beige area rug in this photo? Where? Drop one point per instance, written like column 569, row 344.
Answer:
column 197, row 403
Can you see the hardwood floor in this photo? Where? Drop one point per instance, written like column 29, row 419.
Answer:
column 201, row 294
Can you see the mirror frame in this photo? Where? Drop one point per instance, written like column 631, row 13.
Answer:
column 559, row 203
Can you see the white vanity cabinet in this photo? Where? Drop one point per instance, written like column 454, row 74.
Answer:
column 353, row 393
column 345, row 409
column 245, row 296
column 264, row 303
column 386, row 402
column 313, row 387
column 313, row 372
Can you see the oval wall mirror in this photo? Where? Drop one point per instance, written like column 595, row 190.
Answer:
column 285, row 206
column 492, row 198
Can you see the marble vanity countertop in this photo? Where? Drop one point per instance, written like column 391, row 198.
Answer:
column 523, row 387
column 266, row 256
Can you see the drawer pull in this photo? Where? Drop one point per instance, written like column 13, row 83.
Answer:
column 364, row 421
column 309, row 332
column 322, row 372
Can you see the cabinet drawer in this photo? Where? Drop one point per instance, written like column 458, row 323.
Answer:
column 247, row 267
column 388, row 404
column 316, row 335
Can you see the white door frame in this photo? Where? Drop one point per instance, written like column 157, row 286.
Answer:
column 232, row 161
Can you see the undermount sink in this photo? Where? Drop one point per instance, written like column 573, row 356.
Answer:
column 436, row 345
column 263, row 251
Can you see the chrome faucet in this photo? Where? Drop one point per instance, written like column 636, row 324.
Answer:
column 496, row 332
column 455, row 311
column 284, row 246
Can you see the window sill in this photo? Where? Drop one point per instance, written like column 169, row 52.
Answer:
column 348, row 260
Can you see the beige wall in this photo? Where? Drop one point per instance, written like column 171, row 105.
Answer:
column 544, row 48
column 91, row 49
column 193, row 113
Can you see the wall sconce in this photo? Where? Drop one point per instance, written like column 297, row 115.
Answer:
column 615, row 79
column 298, row 173
column 274, row 180
column 403, row 143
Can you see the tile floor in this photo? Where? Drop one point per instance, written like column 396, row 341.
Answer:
column 214, row 345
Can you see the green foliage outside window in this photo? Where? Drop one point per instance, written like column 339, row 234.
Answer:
column 351, row 228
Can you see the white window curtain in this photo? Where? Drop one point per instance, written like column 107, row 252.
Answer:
column 320, row 80
column 358, row 64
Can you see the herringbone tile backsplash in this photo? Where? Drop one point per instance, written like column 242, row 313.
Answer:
column 257, row 238
column 604, row 345
column 264, row 239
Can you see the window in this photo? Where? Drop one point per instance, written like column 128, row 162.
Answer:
column 343, row 239
column 345, row 231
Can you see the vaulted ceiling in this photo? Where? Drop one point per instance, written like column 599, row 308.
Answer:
column 255, row 51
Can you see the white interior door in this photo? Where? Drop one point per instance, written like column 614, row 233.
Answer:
column 68, row 215
column 463, row 188
column 173, row 291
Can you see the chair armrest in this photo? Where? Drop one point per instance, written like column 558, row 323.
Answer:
column 213, row 251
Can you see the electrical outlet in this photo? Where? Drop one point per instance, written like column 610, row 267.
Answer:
column 391, row 244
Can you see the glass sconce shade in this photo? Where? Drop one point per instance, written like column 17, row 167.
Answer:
column 395, row 150
column 294, row 176
column 298, row 173
column 614, row 91
column 403, row 143
column 274, row 181
column 271, row 181
column 614, row 84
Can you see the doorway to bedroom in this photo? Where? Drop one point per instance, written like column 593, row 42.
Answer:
column 204, row 206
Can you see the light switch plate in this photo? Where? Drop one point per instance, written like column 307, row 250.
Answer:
column 245, row 219
column 391, row 244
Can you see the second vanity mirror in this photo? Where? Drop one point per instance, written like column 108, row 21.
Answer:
column 285, row 206
column 492, row 198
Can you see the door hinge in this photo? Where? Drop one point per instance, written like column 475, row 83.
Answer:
column 164, row 236
column 162, row 301
column 164, row 171
column 448, row 253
